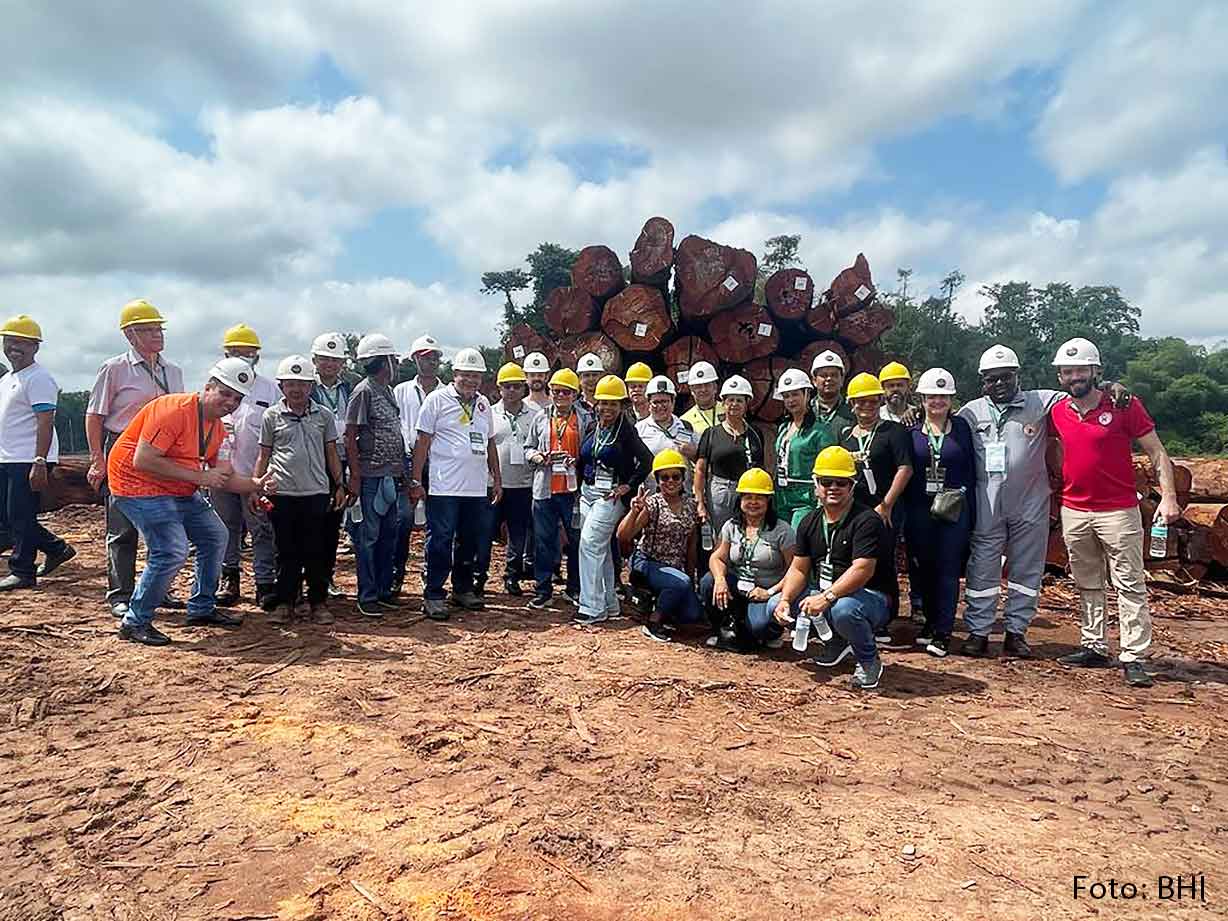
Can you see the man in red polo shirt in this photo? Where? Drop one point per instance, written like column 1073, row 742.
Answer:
column 1101, row 521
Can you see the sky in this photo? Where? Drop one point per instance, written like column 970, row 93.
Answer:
column 315, row 165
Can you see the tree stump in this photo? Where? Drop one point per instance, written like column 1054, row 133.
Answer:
column 523, row 339
column 653, row 254
column 790, row 294
column 572, row 347
column 851, row 290
column 763, row 373
column 67, row 484
column 806, row 358
column 637, row 319
column 1208, row 537
column 711, row 277
column 865, row 326
column 684, row 352
column 570, row 311
column 598, row 271
column 744, row 333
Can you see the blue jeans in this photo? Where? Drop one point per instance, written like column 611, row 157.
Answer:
column 515, row 510
column 376, row 543
column 19, row 516
column 676, row 599
column 598, row 582
column 757, row 621
column 454, row 526
column 936, row 551
column 168, row 524
column 855, row 618
column 548, row 514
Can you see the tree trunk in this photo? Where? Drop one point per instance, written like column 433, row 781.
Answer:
column 1190, row 471
column 868, row 359
column 763, row 374
column 744, row 333
column 653, row 254
column 523, row 339
column 865, row 326
column 570, row 311
column 807, row 355
column 851, row 290
column 572, row 347
column 711, row 277
column 789, row 294
column 67, row 485
column 1208, row 533
column 598, row 271
column 684, row 352
column 638, row 319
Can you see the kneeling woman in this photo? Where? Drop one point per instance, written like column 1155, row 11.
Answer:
column 748, row 566
column 666, row 525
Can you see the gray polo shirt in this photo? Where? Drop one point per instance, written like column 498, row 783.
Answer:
column 297, row 443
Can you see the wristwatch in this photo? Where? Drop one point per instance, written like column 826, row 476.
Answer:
column 40, row 460
column 830, row 596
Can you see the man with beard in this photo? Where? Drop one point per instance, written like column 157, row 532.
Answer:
column 409, row 396
column 896, row 382
column 537, row 372
column 1101, row 520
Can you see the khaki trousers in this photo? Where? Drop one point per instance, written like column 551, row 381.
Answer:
column 1095, row 539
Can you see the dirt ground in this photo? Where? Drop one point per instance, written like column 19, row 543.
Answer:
column 509, row 765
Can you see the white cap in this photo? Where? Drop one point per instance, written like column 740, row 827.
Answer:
column 1077, row 353
column 793, row 379
column 295, row 368
column 589, row 362
column 998, row 356
column 827, row 359
column 701, row 372
column 234, row 373
column 329, row 345
column 661, row 384
column 425, row 343
column 737, row 386
column 469, row 360
column 937, row 382
column 536, row 362
column 374, row 345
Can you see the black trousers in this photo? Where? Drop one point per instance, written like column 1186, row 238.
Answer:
column 19, row 518
column 305, row 546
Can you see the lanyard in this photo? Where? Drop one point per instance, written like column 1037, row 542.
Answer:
column 559, row 430
column 332, row 402
column 830, row 531
column 511, row 421
column 999, row 416
column 745, row 557
column 599, row 442
column 744, row 437
column 865, row 442
column 163, row 384
column 202, row 438
column 466, row 409
column 710, row 418
column 827, row 417
column 935, row 439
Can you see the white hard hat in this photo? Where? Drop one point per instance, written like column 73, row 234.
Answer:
column 661, row 384
column 701, row 372
column 793, row 379
column 536, row 362
column 827, row 359
column 295, row 368
column 737, row 386
column 375, row 345
column 998, row 356
column 425, row 343
column 589, row 362
column 937, row 382
column 469, row 360
column 234, row 373
column 329, row 345
column 1077, row 352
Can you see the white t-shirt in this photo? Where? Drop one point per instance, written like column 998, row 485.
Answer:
column 243, row 442
column 458, row 446
column 515, row 476
column 409, row 396
column 20, row 392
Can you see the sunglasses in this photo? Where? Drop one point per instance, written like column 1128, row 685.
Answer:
column 833, row 483
column 669, row 477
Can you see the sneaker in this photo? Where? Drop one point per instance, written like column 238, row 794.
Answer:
column 119, row 609
column 713, row 641
column 512, row 587
column 573, row 597
column 924, row 638
column 655, row 633
column 589, row 620
column 370, row 609
column 882, row 638
column 539, row 602
column 11, row 582
column 334, row 591
column 320, row 614
column 776, row 642
column 388, row 605
column 52, row 562
column 281, row 615
column 147, row 635
column 1085, row 658
column 1136, row 676
column 1016, row 646
column 435, row 608
column 975, row 645
column 833, row 653
column 866, row 677
column 938, row 646
column 468, row 600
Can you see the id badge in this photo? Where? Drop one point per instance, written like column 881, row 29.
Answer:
column 935, row 477
column 515, row 452
column 995, row 457
column 782, row 476
column 745, row 586
column 477, row 443
column 559, row 466
column 826, row 576
column 871, row 483
column 603, row 479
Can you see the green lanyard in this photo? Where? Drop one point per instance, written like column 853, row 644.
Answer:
column 864, row 443
column 935, row 439
column 826, row 418
column 999, row 416
column 828, row 531
column 599, row 442
column 746, row 556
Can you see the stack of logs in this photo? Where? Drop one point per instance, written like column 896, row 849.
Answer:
column 712, row 315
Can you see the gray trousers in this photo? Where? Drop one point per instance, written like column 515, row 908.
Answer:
column 235, row 513
column 121, row 538
column 1024, row 544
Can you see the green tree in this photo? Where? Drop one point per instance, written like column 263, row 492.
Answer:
column 506, row 283
column 70, row 421
column 779, row 252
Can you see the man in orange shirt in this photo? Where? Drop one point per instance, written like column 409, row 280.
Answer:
column 156, row 469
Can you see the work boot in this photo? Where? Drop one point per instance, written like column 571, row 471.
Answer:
column 228, row 591
column 52, row 562
column 320, row 614
column 281, row 615
column 1136, row 675
column 468, row 600
column 1016, row 646
column 435, row 609
column 512, row 587
column 266, row 595
column 1085, row 658
column 975, row 645
column 214, row 618
column 146, row 635
column 8, row 583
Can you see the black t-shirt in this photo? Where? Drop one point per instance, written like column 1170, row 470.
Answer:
column 726, row 455
column 889, row 449
column 861, row 535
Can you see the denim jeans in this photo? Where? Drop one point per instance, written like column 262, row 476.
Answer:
column 405, row 527
column 235, row 512
column 19, row 515
column 745, row 617
column 855, row 618
column 676, row 599
column 376, row 544
column 598, row 581
column 168, row 525
column 936, row 552
column 515, row 510
column 548, row 514
column 453, row 529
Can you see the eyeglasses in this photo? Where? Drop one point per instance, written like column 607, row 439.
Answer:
column 833, row 483
column 669, row 477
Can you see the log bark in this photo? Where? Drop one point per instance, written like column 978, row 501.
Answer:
column 68, row 486
column 637, row 319
column 652, row 257
column 572, row 347
column 1147, row 481
column 598, row 271
column 763, row 374
column 806, row 357
column 865, row 326
column 570, row 311
column 821, row 318
column 523, row 339
column 684, row 352
column 1208, row 537
column 852, row 290
column 744, row 333
column 789, row 294
column 869, row 359
column 711, row 277
column 1056, row 556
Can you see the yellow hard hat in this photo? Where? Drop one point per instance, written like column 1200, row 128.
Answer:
column 242, row 334
column 757, row 482
column 894, row 371
column 835, row 461
column 134, row 313
column 23, row 327
column 864, row 385
column 565, row 377
column 639, row 373
column 669, row 459
column 611, row 387
column 511, row 373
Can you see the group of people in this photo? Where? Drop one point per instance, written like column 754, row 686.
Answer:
column 583, row 469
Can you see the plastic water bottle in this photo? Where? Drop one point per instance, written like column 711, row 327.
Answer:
column 801, row 632
column 1159, row 538
column 822, row 628
column 355, row 513
column 706, row 535
column 420, row 514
